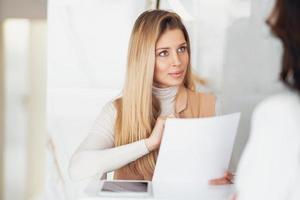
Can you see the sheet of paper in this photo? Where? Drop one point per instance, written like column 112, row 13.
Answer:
column 192, row 152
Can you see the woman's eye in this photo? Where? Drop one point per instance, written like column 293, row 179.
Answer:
column 182, row 49
column 163, row 54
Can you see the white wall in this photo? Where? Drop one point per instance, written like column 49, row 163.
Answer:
column 251, row 68
column 88, row 42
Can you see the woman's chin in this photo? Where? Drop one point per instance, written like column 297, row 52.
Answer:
column 174, row 83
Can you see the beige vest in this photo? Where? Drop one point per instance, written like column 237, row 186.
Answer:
column 188, row 104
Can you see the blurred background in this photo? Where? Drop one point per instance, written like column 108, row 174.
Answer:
column 23, row 29
column 61, row 60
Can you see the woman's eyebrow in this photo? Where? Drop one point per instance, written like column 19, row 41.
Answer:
column 161, row 48
column 184, row 43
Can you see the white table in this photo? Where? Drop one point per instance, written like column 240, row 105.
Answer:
column 90, row 193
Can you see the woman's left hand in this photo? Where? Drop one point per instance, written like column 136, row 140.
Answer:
column 226, row 179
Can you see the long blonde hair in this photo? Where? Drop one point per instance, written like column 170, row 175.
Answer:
column 137, row 109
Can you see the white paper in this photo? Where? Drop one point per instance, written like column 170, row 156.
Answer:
column 194, row 151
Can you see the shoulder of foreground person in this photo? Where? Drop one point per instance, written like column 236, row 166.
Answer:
column 279, row 106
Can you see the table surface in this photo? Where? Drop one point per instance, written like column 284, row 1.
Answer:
column 90, row 193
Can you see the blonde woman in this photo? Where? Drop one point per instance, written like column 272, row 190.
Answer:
column 159, row 83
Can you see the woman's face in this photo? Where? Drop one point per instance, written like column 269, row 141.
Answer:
column 171, row 59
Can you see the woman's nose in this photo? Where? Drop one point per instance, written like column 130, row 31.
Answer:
column 176, row 59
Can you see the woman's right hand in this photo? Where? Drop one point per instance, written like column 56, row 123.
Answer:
column 153, row 142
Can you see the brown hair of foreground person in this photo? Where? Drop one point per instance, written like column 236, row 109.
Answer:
column 285, row 24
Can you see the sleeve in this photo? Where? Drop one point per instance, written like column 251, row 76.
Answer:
column 97, row 155
column 270, row 160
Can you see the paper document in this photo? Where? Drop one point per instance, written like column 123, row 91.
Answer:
column 194, row 151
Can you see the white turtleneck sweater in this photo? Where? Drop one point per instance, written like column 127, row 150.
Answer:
column 98, row 155
column 166, row 97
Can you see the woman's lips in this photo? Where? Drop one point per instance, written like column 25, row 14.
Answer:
column 176, row 74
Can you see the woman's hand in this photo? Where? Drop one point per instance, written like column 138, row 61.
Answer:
column 153, row 142
column 226, row 179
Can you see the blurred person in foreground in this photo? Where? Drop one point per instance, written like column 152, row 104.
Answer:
column 270, row 165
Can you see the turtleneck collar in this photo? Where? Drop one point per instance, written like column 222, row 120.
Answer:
column 168, row 93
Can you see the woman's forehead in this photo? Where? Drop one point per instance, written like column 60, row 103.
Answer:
column 171, row 38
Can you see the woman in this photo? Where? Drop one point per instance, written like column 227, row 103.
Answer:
column 270, row 165
column 127, row 134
